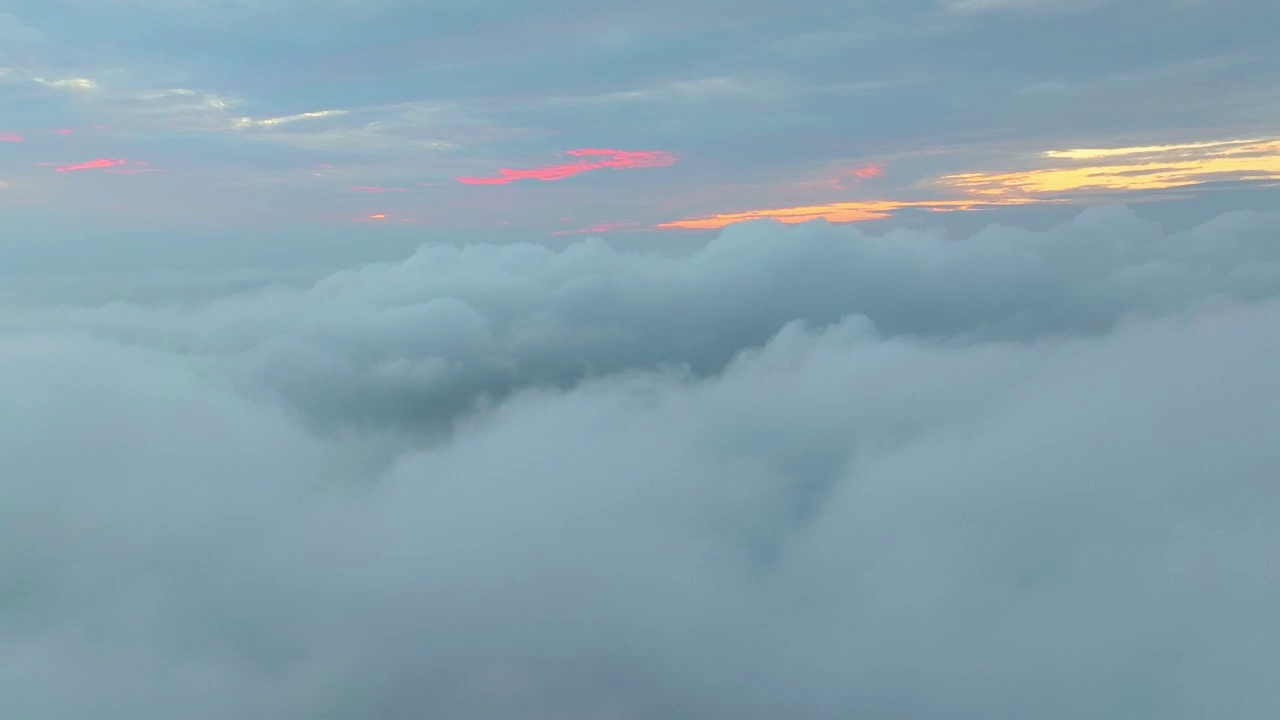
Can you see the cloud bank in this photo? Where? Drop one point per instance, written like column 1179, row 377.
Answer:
column 802, row 472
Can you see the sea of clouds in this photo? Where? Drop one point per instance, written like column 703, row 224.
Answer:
column 799, row 473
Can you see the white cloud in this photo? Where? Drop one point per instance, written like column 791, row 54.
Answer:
column 1019, row 475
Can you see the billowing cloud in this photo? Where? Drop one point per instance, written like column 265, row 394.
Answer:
column 801, row 473
column 488, row 320
column 599, row 159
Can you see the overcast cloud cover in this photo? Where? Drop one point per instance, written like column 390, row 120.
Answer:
column 803, row 472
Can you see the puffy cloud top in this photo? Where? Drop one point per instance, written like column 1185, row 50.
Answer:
column 798, row 473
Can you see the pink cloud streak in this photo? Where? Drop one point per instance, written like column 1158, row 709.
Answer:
column 375, row 189
column 11, row 137
column 866, row 172
column 111, row 165
column 98, row 164
column 599, row 159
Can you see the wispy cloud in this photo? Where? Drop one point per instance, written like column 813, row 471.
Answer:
column 98, row 164
column 601, row 159
column 1138, row 168
column 839, row 212
column 1066, row 175
column 11, row 137
column 74, row 83
column 114, row 165
column 606, row 227
column 134, row 170
column 376, row 189
column 248, row 122
column 865, row 172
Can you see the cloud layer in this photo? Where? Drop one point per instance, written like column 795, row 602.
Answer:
column 802, row 472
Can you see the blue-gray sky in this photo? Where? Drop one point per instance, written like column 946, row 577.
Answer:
column 274, row 116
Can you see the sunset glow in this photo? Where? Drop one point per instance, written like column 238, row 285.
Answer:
column 10, row 137
column 599, row 228
column 1145, row 168
column 840, row 212
column 98, row 164
column 601, row 159
column 866, row 172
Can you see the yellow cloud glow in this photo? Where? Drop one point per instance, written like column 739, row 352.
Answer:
column 1143, row 168
column 1063, row 175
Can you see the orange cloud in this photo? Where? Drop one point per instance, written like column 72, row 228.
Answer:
column 600, row 159
column 113, row 166
column 840, row 212
column 375, row 189
column 598, row 228
column 11, row 137
column 1139, row 168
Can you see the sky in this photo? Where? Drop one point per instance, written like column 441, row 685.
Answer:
column 265, row 118
column 695, row 360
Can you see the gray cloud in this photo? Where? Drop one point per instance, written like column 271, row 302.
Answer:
column 947, row 70
column 1017, row 475
column 422, row 340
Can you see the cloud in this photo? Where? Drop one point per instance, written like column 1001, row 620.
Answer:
column 800, row 473
column 11, row 137
column 375, row 189
column 1131, row 169
column 135, row 170
column 866, row 172
column 418, row 342
column 114, row 166
column 836, row 212
column 98, row 164
column 75, row 84
column 1080, row 174
column 246, row 122
column 599, row 228
column 612, row 159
